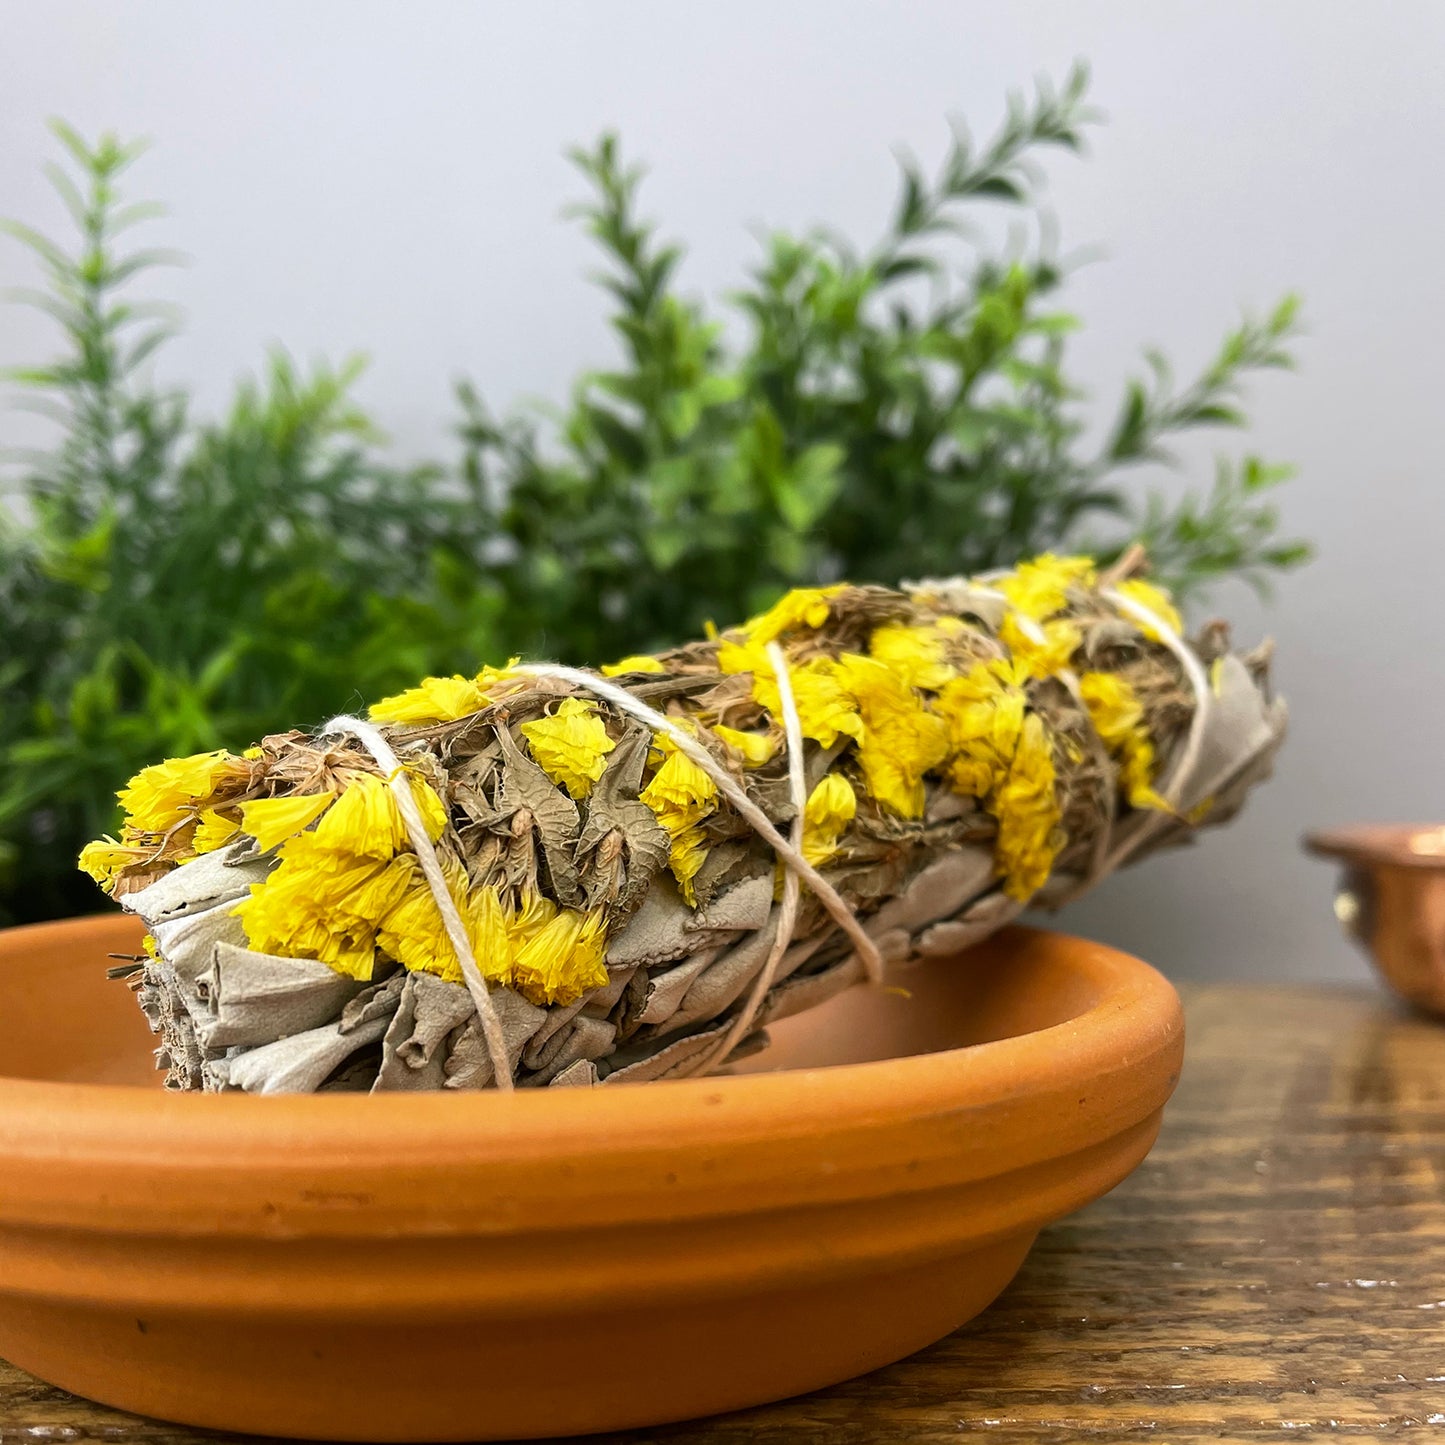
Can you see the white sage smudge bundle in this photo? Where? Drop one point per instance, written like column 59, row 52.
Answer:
column 546, row 876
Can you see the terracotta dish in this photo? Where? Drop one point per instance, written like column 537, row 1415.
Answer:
column 461, row 1267
column 1391, row 900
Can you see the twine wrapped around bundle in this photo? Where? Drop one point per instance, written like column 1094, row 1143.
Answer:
column 547, row 876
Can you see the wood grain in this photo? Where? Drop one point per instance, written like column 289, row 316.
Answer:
column 1275, row 1270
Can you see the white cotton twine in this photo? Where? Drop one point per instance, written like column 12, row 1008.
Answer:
column 1173, row 791
column 788, row 913
column 788, row 850
column 371, row 739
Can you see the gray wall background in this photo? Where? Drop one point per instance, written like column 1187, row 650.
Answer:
column 351, row 175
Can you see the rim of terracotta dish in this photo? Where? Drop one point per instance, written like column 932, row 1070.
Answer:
column 122, row 1159
column 1396, row 844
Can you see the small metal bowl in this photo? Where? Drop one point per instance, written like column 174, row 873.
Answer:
column 1391, row 900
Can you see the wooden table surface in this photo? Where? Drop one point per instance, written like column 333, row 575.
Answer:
column 1276, row 1269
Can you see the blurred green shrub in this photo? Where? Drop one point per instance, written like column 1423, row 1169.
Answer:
column 169, row 584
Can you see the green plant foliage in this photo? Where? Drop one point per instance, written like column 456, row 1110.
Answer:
column 169, row 584
column 892, row 413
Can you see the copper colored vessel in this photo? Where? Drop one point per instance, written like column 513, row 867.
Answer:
column 484, row 1266
column 1391, row 900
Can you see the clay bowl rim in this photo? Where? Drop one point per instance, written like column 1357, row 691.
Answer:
column 1376, row 844
column 212, row 1164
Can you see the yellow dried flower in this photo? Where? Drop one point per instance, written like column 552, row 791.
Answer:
column 164, row 794
column 335, row 885
column 349, row 949
column 373, row 886
column 984, row 710
column 681, row 795
column 570, row 745
column 433, row 699
column 536, row 912
column 1040, row 588
column 550, row 955
column 1113, row 705
column 831, row 806
column 902, row 739
column 322, row 905
column 972, row 777
column 366, row 822
column 1027, row 809
column 1041, row 658
column 916, row 654
column 755, row 748
column 826, row 710
column 271, row 821
column 487, row 931
column 802, row 607
column 1158, row 601
column 442, row 699
column 104, row 858
column 412, row 932
column 213, row 830
column 1118, row 718
column 637, row 662
column 734, row 657
column 559, row 961
column 1001, row 754
column 685, row 857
